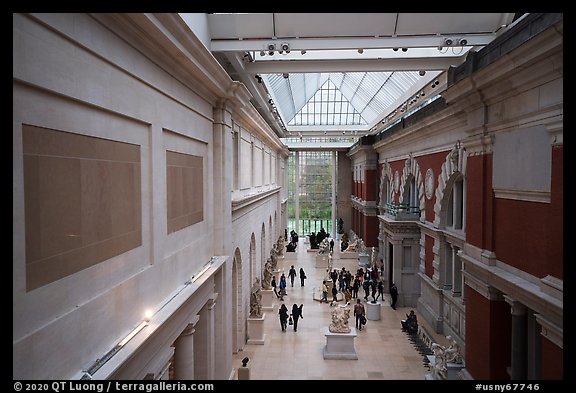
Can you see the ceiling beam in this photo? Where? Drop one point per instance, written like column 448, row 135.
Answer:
column 299, row 44
column 367, row 65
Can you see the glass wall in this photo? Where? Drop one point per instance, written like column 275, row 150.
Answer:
column 310, row 191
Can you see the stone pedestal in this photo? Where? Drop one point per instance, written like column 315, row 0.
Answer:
column 340, row 345
column 243, row 373
column 373, row 311
column 321, row 261
column 267, row 297
column 364, row 260
column 256, row 330
column 348, row 255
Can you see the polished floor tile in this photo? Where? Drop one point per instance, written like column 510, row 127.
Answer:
column 384, row 351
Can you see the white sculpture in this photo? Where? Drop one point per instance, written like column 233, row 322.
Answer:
column 256, row 300
column 439, row 369
column 340, row 316
column 267, row 275
column 324, row 247
column 452, row 353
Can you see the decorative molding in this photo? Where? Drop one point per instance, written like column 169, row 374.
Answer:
column 483, row 288
column 250, row 199
column 429, row 183
column 523, row 195
column 453, row 166
column 551, row 331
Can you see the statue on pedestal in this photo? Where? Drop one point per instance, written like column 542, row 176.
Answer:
column 439, row 369
column 267, row 275
column 256, row 300
column 452, row 353
column 324, row 247
column 340, row 316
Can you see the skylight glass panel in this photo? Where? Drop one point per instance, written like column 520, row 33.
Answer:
column 327, row 107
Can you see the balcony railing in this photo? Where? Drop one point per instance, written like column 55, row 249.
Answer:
column 402, row 211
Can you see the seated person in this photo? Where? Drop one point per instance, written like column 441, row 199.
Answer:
column 410, row 324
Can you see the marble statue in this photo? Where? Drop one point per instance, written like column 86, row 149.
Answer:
column 340, row 316
column 439, row 369
column 256, row 300
column 361, row 246
column 324, row 247
column 452, row 353
column 267, row 275
column 274, row 257
column 353, row 246
column 373, row 258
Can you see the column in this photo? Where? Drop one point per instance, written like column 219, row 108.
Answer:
column 204, row 343
column 519, row 339
column 184, row 352
column 297, row 192
column 334, row 226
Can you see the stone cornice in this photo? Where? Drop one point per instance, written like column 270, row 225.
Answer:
column 528, row 292
column 253, row 198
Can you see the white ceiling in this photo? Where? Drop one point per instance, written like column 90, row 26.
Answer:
column 368, row 45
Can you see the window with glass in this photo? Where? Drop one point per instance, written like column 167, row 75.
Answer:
column 310, row 191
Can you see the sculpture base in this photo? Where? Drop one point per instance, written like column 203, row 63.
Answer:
column 348, row 255
column 373, row 310
column 256, row 330
column 363, row 259
column 267, row 297
column 340, row 345
column 321, row 261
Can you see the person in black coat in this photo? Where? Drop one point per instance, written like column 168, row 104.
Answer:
column 334, row 295
column 302, row 277
column 394, row 295
column 283, row 313
column 296, row 314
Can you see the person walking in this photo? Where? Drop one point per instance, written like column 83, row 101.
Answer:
column 358, row 313
column 273, row 283
column 292, row 275
column 331, row 245
column 283, row 313
column 366, row 286
column 394, row 295
column 334, row 295
column 296, row 314
column 282, row 286
column 302, row 277
column 380, row 290
column 324, row 292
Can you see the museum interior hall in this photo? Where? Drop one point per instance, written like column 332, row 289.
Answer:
column 287, row 196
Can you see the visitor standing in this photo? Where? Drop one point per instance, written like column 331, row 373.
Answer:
column 358, row 313
column 393, row 295
column 292, row 275
column 302, row 277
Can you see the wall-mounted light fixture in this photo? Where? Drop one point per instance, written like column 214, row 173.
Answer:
column 271, row 49
column 360, row 50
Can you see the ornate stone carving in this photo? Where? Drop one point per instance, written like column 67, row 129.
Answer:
column 256, row 300
column 429, row 183
column 340, row 316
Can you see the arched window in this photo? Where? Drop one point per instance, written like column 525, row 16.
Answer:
column 455, row 220
column 455, row 206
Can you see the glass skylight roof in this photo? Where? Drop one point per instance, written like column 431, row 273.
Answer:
column 340, row 98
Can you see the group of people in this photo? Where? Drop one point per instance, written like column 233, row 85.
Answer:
column 280, row 288
column 293, row 317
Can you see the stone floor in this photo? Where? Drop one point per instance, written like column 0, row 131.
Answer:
column 384, row 351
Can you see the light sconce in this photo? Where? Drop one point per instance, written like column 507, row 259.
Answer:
column 448, row 41
column 404, row 49
column 395, row 49
column 147, row 315
column 262, row 53
column 462, row 41
column 302, row 52
column 421, row 72
column 360, row 50
column 285, row 47
column 285, row 75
